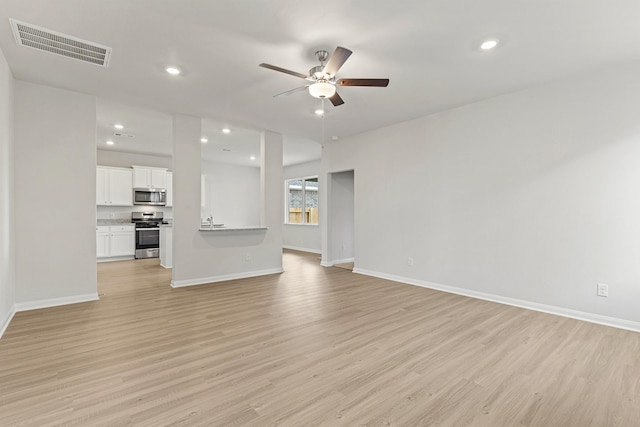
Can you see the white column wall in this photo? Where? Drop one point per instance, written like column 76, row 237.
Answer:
column 205, row 257
column 530, row 198
column 7, row 255
column 55, row 211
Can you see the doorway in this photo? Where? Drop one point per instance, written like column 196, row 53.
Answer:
column 340, row 219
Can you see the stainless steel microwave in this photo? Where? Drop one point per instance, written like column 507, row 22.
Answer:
column 150, row 196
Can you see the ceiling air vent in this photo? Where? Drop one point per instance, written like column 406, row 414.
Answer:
column 60, row 44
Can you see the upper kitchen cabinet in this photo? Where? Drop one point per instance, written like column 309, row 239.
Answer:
column 147, row 177
column 113, row 186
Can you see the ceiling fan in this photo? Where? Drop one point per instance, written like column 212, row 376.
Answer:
column 322, row 78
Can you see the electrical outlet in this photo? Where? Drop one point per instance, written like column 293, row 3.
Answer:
column 410, row 262
column 603, row 290
column 247, row 257
column 343, row 247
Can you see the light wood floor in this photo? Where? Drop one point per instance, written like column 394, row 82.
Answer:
column 313, row 346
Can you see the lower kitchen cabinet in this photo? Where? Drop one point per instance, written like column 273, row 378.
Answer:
column 102, row 241
column 115, row 241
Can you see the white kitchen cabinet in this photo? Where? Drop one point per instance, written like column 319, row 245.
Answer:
column 158, row 178
column 121, row 187
column 113, row 186
column 123, row 240
column 147, row 177
column 115, row 241
column 102, row 186
column 102, row 241
column 169, row 188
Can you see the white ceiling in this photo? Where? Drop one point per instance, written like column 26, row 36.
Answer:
column 147, row 131
column 427, row 48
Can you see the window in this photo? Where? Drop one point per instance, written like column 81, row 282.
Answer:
column 302, row 201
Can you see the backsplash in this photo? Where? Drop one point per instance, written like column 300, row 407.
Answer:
column 121, row 213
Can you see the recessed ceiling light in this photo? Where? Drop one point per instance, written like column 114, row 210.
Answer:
column 173, row 71
column 204, row 140
column 118, row 126
column 252, row 157
column 226, row 130
column 109, row 142
column 489, row 44
column 319, row 112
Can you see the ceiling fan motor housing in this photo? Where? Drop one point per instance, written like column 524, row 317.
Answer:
column 322, row 55
column 316, row 72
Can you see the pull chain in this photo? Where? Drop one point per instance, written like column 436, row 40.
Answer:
column 322, row 118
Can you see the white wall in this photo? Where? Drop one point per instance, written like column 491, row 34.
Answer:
column 202, row 256
column 232, row 194
column 302, row 237
column 533, row 196
column 121, row 159
column 7, row 290
column 54, row 168
column 302, row 170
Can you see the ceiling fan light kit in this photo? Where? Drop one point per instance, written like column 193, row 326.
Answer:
column 322, row 90
column 323, row 77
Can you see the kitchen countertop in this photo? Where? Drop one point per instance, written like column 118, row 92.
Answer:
column 247, row 228
column 124, row 222
column 114, row 222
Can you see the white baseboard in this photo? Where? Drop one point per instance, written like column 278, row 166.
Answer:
column 164, row 266
column 54, row 302
column 336, row 261
column 224, row 278
column 550, row 309
column 297, row 248
column 5, row 323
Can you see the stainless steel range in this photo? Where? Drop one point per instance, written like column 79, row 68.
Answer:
column 147, row 233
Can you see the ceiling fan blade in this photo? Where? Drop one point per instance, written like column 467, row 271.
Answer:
column 289, row 92
column 363, row 82
column 336, row 61
column 336, row 100
column 284, row 70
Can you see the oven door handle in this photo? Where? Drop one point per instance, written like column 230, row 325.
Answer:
column 150, row 229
